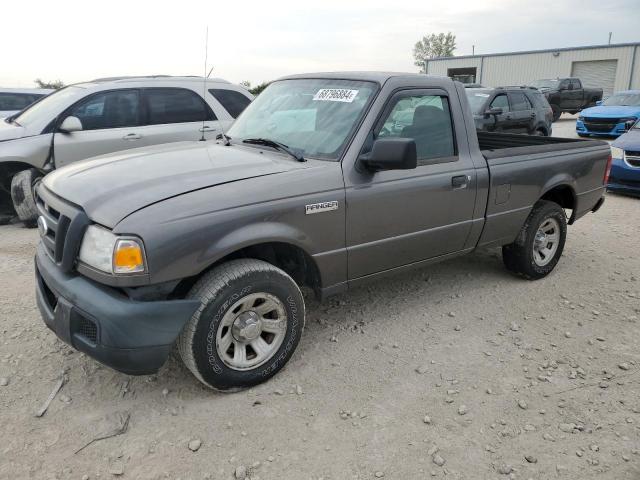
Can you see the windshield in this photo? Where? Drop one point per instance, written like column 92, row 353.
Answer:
column 477, row 99
column 314, row 116
column 623, row 100
column 49, row 107
column 546, row 83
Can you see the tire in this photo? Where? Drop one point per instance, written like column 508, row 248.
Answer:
column 556, row 112
column 540, row 132
column 528, row 256
column 583, row 135
column 208, row 343
column 22, row 195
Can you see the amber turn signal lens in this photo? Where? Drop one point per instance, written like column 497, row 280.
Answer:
column 128, row 257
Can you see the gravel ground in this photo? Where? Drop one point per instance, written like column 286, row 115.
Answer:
column 458, row 371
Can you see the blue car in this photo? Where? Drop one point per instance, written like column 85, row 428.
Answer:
column 612, row 117
column 625, row 165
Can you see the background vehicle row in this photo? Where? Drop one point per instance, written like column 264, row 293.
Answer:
column 109, row 115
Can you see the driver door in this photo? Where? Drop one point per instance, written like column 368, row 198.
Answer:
column 501, row 122
column 110, row 123
column 398, row 217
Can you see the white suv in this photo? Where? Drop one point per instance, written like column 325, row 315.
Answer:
column 108, row 115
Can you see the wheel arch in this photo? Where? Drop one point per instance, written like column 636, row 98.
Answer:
column 284, row 253
column 10, row 168
column 562, row 192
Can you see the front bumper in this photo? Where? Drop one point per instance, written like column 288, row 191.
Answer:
column 616, row 131
column 624, row 178
column 129, row 336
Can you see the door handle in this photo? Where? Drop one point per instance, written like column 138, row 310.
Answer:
column 460, row 181
column 207, row 128
column 132, row 136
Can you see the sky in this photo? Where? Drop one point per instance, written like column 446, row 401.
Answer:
column 259, row 41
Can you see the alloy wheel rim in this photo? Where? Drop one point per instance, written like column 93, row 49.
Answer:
column 546, row 241
column 251, row 331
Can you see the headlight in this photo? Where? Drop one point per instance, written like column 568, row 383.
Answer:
column 617, row 152
column 109, row 253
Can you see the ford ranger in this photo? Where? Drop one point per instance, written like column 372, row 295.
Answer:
column 325, row 181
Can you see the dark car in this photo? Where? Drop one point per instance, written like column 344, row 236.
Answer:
column 511, row 110
column 625, row 168
column 567, row 95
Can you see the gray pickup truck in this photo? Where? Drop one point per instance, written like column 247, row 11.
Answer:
column 325, row 181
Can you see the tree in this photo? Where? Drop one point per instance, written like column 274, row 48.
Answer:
column 254, row 90
column 432, row 46
column 56, row 84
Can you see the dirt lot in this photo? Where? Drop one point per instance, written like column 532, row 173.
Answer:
column 456, row 371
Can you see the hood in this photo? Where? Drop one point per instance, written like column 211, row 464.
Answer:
column 604, row 111
column 10, row 131
column 111, row 187
column 629, row 140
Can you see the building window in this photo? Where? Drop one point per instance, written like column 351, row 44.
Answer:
column 464, row 75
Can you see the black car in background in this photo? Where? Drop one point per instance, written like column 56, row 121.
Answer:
column 510, row 109
column 567, row 95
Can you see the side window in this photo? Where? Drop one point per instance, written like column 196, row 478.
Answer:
column 115, row 109
column 232, row 101
column 175, row 105
column 519, row 102
column 15, row 101
column 426, row 119
column 502, row 102
column 576, row 84
column 564, row 84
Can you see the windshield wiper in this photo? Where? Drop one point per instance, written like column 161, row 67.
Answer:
column 277, row 145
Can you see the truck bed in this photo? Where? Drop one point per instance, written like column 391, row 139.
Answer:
column 499, row 145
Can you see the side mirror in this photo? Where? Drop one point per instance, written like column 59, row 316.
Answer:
column 494, row 111
column 391, row 154
column 70, row 124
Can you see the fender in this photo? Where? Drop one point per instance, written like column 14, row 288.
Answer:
column 562, row 180
column 255, row 234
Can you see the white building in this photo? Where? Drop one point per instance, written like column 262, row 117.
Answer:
column 610, row 67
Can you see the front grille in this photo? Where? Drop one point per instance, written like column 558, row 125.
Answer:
column 600, row 124
column 61, row 227
column 632, row 158
column 87, row 329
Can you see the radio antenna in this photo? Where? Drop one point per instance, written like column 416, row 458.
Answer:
column 204, row 81
column 225, row 141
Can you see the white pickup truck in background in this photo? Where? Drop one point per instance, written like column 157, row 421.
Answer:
column 104, row 116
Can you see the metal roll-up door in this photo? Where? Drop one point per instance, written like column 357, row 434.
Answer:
column 596, row 74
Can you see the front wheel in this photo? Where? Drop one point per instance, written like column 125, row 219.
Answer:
column 247, row 327
column 23, row 197
column 539, row 245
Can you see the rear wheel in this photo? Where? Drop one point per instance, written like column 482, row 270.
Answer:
column 247, row 327
column 22, row 195
column 539, row 245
